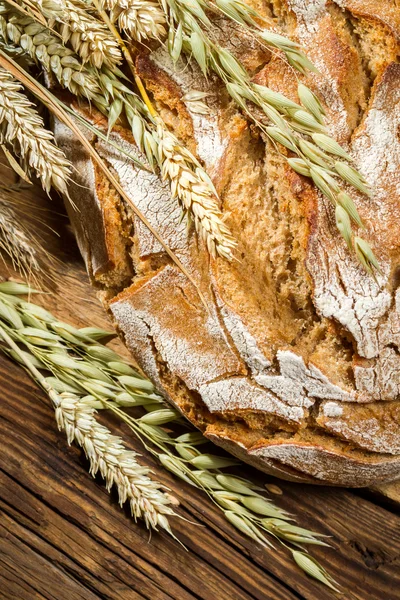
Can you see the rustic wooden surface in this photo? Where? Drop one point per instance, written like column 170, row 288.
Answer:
column 63, row 537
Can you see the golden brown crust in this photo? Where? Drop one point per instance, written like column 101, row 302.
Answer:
column 295, row 366
column 383, row 11
column 101, row 227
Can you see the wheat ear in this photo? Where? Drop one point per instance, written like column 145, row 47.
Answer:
column 21, row 242
column 14, row 241
column 48, row 50
column 140, row 19
column 22, row 128
column 189, row 182
column 191, row 185
column 108, row 455
column 87, row 35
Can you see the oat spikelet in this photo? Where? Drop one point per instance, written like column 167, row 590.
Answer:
column 195, row 192
column 140, row 19
column 284, row 122
column 251, row 20
column 22, row 128
column 108, row 455
column 88, row 36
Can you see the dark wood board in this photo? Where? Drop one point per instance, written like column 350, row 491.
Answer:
column 63, row 537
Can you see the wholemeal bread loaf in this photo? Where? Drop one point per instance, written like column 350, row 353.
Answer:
column 295, row 364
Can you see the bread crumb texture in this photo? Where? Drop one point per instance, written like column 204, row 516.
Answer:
column 295, row 365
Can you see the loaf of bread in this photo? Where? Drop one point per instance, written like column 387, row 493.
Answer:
column 294, row 366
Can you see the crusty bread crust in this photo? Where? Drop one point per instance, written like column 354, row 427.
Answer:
column 295, row 365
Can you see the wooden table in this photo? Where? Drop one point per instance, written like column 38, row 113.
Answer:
column 63, row 537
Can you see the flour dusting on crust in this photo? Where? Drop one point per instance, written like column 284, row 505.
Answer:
column 375, row 427
column 299, row 384
column 342, row 291
column 308, row 12
column 193, row 359
column 151, row 196
column 238, row 393
column 332, row 409
column 324, row 464
column 245, row 343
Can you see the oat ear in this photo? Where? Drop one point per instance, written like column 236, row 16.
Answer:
column 86, row 376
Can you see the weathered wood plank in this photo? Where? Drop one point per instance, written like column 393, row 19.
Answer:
column 30, row 570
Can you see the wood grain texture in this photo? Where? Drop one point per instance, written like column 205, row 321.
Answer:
column 63, row 537
column 391, row 491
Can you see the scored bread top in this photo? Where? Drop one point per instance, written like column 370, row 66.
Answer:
column 295, row 364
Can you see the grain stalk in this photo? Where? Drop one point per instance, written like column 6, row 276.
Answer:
column 17, row 243
column 188, row 180
column 321, row 160
column 298, row 127
column 103, row 88
column 87, row 375
column 48, row 100
column 47, row 50
column 23, row 130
